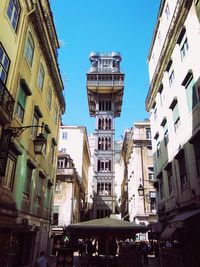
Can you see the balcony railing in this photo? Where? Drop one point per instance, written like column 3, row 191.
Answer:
column 6, row 101
column 105, row 83
column 65, row 171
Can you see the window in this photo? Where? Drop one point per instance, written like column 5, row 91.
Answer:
column 165, row 130
column 104, row 105
column 158, row 151
column 49, row 98
column 4, row 64
column 27, row 185
column 175, row 112
column 104, row 188
column 104, row 165
column 104, row 143
column 183, row 43
column 191, row 91
column 40, row 79
column 58, row 187
column 39, row 190
column 162, row 96
column 55, row 215
column 64, row 150
column 35, row 122
column 154, row 110
column 182, row 167
column 152, row 198
column 170, row 179
column 148, row 133
column 64, row 135
column 61, row 163
column 29, row 49
column 170, row 71
column 10, row 172
column 167, row 11
column 151, row 173
column 21, row 103
column 13, row 13
column 155, row 113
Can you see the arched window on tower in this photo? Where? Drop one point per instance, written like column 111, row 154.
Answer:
column 100, row 124
column 109, row 165
column 103, row 124
column 99, row 143
column 109, row 124
column 106, row 143
column 109, row 143
column 99, row 165
column 106, row 124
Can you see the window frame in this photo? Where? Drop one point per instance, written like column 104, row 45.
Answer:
column 183, row 174
column 29, row 49
column 191, row 91
column 4, row 68
column 183, row 43
column 21, row 103
column 175, row 113
column 9, row 178
column 14, row 14
column 41, row 77
column 28, row 181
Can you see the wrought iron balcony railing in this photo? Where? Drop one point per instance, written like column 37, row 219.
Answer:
column 6, row 100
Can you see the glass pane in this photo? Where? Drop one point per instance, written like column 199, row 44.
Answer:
column 22, row 97
column 175, row 113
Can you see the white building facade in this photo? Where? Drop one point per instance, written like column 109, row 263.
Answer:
column 138, row 205
column 173, row 103
column 73, row 140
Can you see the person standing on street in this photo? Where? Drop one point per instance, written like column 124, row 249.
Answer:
column 42, row 261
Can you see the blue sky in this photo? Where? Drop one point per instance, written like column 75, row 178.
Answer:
column 104, row 26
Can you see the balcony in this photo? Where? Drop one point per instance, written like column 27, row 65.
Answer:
column 6, row 104
column 65, row 173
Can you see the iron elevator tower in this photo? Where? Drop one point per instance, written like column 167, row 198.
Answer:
column 105, row 86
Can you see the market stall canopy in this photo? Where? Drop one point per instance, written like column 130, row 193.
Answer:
column 106, row 226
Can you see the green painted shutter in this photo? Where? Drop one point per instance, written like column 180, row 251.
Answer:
column 22, row 97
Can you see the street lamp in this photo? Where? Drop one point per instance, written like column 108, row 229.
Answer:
column 9, row 133
column 141, row 190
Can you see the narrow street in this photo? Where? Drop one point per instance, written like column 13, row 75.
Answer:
column 152, row 262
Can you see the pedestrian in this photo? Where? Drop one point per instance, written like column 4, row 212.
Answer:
column 42, row 261
column 145, row 252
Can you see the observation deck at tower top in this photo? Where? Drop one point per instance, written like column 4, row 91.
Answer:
column 105, row 77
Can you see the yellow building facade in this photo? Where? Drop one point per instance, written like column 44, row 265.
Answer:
column 30, row 95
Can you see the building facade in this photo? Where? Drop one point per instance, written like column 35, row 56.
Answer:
column 138, row 192
column 73, row 140
column 105, row 85
column 173, row 103
column 30, row 95
column 68, row 200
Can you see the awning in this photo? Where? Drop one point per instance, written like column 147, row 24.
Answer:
column 185, row 216
column 168, row 232
column 107, row 226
